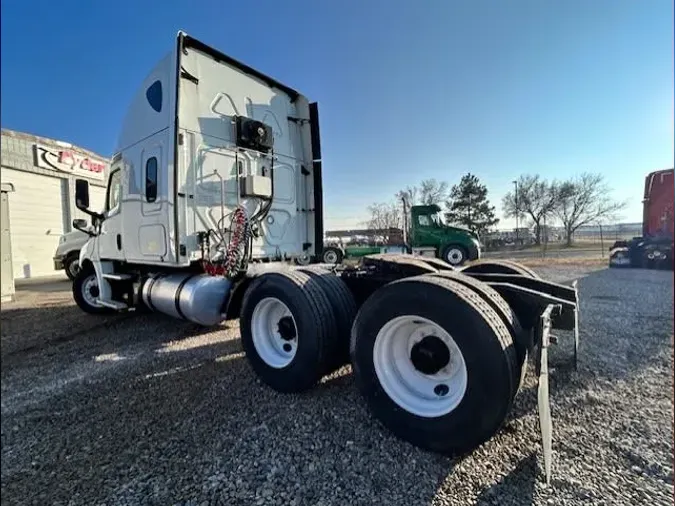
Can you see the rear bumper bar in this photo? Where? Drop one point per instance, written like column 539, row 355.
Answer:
column 529, row 297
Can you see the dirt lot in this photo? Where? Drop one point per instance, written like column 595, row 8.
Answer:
column 149, row 410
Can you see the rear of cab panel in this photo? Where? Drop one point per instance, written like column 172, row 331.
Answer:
column 213, row 90
column 181, row 122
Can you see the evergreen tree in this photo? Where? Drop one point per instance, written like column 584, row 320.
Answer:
column 468, row 205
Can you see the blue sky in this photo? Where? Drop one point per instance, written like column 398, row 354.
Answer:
column 407, row 89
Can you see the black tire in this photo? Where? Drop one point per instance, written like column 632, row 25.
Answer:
column 344, row 309
column 500, row 267
column 71, row 265
column 451, row 255
column 436, row 263
column 80, row 283
column 505, row 312
column 484, row 341
column 506, row 267
column 316, row 329
column 332, row 255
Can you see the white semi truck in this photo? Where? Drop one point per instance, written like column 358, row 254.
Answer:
column 217, row 184
column 67, row 254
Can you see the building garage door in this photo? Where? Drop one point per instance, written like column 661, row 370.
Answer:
column 38, row 211
column 97, row 198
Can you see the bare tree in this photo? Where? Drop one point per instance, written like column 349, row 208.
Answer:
column 536, row 199
column 585, row 200
column 385, row 215
column 433, row 192
column 430, row 191
column 410, row 195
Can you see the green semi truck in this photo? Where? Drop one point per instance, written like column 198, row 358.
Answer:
column 428, row 235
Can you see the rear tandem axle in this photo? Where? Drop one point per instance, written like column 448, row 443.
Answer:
column 430, row 345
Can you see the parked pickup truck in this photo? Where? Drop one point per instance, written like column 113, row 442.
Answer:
column 67, row 253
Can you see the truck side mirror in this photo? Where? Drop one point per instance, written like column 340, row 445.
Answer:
column 81, row 225
column 81, row 194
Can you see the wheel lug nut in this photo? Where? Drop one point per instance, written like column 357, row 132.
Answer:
column 441, row 390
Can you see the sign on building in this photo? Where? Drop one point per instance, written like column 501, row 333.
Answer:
column 67, row 160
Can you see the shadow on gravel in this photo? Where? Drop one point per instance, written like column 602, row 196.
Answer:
column 518, row 486
column 43, row 314
column 33, row 329
column 26, row 331
column 194, row 423
column 43, row 286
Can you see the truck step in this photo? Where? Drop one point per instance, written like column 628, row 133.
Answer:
column 118, row 277
column 113, row 304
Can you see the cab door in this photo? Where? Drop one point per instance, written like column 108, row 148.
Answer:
column 110, row 241
column 425, row 232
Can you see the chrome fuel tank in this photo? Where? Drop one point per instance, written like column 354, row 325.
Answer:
column 199, row 298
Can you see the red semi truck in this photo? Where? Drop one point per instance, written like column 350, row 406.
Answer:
column 654, row 249
column 658, row 201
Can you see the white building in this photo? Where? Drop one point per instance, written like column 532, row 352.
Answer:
column 40, row 174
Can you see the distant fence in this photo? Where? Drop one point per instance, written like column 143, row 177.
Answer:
column 553, row 240
column 609, row 232
column 557, row 234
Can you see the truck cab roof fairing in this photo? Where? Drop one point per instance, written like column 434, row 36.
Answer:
column 187, row 42
column 144, row 117
column 152, row 108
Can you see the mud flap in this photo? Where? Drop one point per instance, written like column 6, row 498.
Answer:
column 542, row 338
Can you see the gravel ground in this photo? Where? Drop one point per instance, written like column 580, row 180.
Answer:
column 148, row 410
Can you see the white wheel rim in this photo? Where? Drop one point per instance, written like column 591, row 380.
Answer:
column 272, row 348
column 421, row 394
column 74, row 267
column 330, row 257
column 89, row 283
column 303, row 259
column 454, row 256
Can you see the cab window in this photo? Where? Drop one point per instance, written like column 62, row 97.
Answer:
column 423, row 220
column 151, row 180
column 114, row 190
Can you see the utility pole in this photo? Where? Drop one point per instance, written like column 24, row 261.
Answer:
column 405, row 220
column 517, row 210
